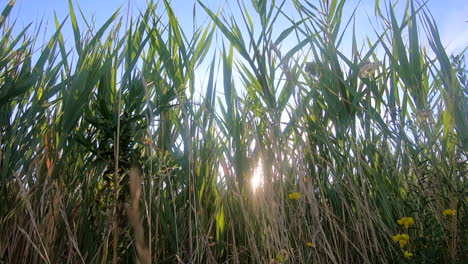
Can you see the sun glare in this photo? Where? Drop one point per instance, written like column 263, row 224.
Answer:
column 257, row 177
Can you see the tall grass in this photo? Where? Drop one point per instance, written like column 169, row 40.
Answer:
column 108, row 154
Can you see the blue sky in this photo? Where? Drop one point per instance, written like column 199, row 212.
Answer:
column 450, row 15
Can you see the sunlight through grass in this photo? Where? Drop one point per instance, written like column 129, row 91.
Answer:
column 256, row 180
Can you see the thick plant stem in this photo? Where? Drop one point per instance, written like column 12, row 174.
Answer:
column 115, row 226
column 116, row 185
column 133, row 213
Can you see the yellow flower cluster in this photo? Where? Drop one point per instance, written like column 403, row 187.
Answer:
column 310, row 244
column 282, row 256
column 406, row 221
column 408, row 255
column 449, row 212
column 401, row 239
column 295, row 196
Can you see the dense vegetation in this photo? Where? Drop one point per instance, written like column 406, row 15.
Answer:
column 115, row 146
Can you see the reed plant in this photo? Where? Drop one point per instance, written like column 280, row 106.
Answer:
column 260, row 137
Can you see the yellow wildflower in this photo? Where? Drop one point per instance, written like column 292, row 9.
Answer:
column 310, row 244
column 408, row 255
column 295, row 196
column 449, row 212
column 406, row 221
column 402, row 243
column 401, row 239
column 282, row 256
